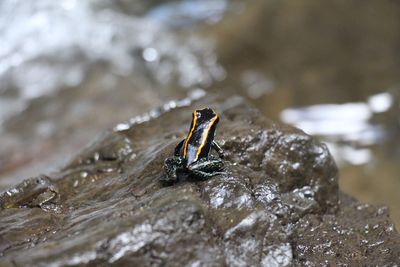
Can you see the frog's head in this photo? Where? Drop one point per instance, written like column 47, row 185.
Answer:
column 205, row 115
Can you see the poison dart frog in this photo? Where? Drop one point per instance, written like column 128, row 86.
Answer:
column 192, row 155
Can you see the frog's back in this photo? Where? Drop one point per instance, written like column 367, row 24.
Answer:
column 201, row 135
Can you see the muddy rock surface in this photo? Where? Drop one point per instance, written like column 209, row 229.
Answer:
column 277, row 203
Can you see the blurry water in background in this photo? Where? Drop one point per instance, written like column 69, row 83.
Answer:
column 69, row 69
column 347, row 128
column 331, row 68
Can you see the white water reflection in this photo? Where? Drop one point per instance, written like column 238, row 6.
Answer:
column 189, row 12
column 51, row 45
column 348, row 154
column 346, row 128
column 380, row 102
column 150, row 54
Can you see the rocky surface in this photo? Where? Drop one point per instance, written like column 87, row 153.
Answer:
column 277, row 204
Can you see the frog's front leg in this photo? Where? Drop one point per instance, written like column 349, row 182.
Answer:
column 178, row 148
column 206, row 168
column 171, row 166
column 217, row 148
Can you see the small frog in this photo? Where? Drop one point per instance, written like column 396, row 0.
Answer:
column 192, row 155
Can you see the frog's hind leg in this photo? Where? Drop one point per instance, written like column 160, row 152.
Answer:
column 205, row 175
column 207, row 168
column 211, row 165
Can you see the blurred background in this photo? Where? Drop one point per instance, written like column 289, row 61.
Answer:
column 70, row 69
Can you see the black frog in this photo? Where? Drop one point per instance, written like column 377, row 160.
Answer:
column 192, row 155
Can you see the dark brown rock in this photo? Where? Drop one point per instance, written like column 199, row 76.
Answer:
column 277, row 204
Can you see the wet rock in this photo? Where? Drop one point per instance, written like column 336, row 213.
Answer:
column 258, row 239
column 358, row 234
column 113, row 147
column 277, row 203
column 34, row 192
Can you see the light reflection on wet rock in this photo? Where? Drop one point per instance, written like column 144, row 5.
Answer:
column 113, row 148
column 255, row 240
column 34, row 192
column 277, row 204
column 228, row 193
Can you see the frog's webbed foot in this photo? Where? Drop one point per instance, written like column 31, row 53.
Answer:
column 171, row 167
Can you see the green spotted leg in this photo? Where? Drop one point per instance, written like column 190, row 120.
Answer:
column 171, row 166
column 206, row 168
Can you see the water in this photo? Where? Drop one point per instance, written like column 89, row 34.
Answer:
column 70, row 69
column 347, row 128
column 46, row 50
